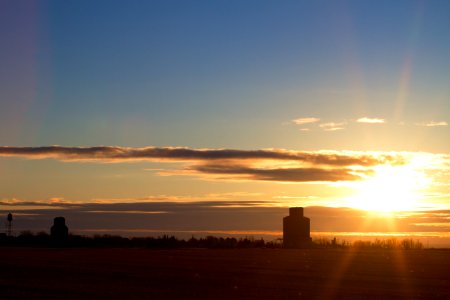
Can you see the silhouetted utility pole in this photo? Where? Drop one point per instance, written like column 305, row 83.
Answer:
column 9, row 219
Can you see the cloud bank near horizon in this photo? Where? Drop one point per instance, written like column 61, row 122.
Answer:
column 167, row 216
column 275, row 165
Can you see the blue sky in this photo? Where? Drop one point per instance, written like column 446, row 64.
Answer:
column 147, row 72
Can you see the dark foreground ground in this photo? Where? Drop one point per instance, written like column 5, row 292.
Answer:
column 27, row 273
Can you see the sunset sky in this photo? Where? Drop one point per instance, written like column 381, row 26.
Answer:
column 218, row 115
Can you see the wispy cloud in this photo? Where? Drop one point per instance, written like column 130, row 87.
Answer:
column 432, row 124
column 371, row 120
column 267, row 165
column 331, row 126
column 58, row 202
column 302, row 121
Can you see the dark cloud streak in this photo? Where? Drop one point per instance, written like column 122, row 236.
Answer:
column 110, row 153
column 281, row 174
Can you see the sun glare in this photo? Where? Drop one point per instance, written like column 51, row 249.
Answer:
column 390, row 189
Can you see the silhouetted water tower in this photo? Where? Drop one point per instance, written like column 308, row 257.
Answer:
column 9, row 220
column 296, row 229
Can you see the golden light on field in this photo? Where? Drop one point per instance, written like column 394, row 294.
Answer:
column 390, row 189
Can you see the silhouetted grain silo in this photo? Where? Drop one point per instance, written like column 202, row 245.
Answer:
column 296, row 229
column 59, row 231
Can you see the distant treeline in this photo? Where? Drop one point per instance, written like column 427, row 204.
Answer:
column 43, row 239
column 390, row 243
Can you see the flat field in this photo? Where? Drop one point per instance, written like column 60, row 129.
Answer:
column 30, row 273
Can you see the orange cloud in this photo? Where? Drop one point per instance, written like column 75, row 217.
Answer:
column 332, row 126
column 433, row 124
column 301, row 121
column 371, row 120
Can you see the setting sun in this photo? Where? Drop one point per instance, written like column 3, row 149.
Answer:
column 390, row 189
